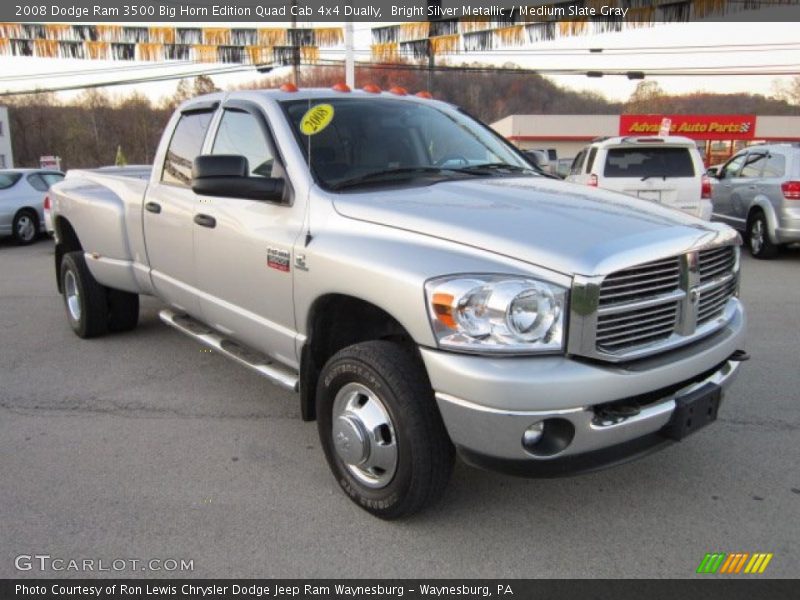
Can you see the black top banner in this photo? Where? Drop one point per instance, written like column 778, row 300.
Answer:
column 497, row 11
column 392, row 589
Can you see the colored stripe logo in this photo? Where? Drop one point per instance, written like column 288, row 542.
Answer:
column 734, row 563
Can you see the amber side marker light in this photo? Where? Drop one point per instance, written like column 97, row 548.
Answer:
column 443, row 307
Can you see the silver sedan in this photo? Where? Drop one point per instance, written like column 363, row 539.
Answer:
column 21, row 202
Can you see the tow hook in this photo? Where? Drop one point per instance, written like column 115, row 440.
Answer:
column 739, row 356
column 613, row 414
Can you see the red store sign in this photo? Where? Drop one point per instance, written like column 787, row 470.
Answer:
column 697, row 127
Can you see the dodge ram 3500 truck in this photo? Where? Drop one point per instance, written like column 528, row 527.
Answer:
column 401, row 267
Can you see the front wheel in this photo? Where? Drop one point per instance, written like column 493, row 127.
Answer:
column 758, row 237
column 381, row 431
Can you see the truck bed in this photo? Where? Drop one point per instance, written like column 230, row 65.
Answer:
column 105, row 206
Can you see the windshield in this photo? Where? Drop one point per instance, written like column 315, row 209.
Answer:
column 7, row 180
column 360, row 141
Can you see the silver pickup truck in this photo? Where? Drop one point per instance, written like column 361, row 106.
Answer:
column 401, row 267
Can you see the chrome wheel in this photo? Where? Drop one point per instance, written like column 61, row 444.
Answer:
column 72, row 296
column 26, row 228
column 364, row 436
column 757, row 236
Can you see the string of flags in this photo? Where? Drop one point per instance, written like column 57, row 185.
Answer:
column 541, row 23
column 153, row 44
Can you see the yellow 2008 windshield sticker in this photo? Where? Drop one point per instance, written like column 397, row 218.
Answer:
column 316, row 119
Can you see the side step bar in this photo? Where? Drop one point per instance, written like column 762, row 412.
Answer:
column 258, row 362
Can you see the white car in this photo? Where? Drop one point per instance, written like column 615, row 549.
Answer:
column 666, row 170
column 22, row 194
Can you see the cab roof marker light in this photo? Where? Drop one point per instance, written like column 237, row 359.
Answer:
column 424, row 94
column 341, row 87
column 372, row 88
column 398, row 91
column 288, row 87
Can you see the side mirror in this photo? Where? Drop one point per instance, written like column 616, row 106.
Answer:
column 228, row 175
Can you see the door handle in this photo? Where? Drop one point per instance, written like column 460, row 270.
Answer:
column 153, row 207
column 205, row 221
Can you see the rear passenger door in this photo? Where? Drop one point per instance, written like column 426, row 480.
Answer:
column 169, row 212
column 244, row 252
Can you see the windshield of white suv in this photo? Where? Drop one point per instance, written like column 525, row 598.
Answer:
column 8, row 180
column 644, row 163
column 352, row 142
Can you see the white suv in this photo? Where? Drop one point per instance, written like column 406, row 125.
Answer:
column 667, row 170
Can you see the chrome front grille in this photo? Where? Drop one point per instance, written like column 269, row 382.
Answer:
column 716, row 286
column 716, row 262
column 654, row 306
column 621, row 330
column 642, row 281
column 638, row 305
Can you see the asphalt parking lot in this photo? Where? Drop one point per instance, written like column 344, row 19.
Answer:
column 142, row 445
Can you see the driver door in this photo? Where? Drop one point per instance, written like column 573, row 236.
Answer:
column 243, row 248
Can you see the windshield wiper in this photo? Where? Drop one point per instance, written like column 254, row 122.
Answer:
column 496, row 166
column 389, row 174
column 646, row 177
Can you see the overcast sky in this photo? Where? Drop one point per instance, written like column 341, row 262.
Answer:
column 613, row 87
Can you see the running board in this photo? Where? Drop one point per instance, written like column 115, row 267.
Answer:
column 258, row 362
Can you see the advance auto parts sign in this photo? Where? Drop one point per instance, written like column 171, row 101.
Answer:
column 697, row 127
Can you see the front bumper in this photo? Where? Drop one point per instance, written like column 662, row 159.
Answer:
column 488, row 403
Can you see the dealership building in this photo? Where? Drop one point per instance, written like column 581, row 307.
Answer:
column 717, row 136
column 6, row 158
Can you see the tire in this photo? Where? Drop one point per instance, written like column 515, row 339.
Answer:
column 389, row 385
column 85, row 300
column 123, row 310
column 758, row 241
column 25, row 227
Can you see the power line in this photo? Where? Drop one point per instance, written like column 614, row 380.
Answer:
column 169, row 77
column 116, row 69
column 791, row 69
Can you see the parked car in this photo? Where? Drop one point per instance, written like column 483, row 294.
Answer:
column 21, row 202
column 401, row 267
column 758, row 192
column 563, row 166
column 538, row 163
column 665, row 170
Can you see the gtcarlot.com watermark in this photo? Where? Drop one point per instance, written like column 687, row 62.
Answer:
column 48, row 563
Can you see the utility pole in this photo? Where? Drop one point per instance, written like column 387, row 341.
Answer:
column 349, row 56
column 295, row 47
column 431, row 57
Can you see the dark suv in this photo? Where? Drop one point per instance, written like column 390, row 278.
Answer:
column 758, row 192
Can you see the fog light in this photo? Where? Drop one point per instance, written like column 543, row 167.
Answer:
column 533, row 434
column 548, row 438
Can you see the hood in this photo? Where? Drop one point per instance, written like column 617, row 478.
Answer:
column 560, row 226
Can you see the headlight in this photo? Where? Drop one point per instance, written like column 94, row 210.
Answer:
column 497, row 313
